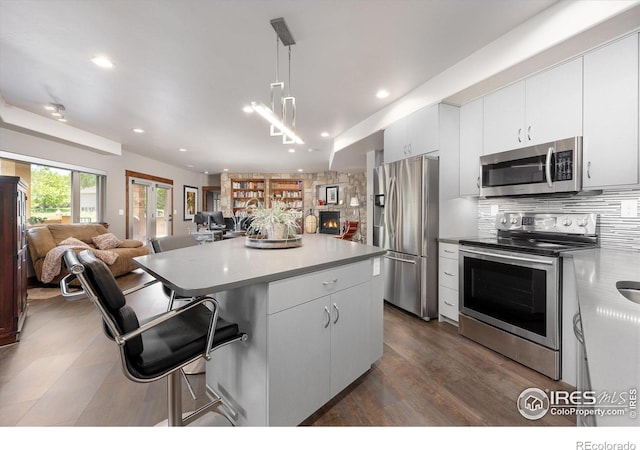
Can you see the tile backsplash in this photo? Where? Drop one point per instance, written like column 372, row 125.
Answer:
column 616, row 232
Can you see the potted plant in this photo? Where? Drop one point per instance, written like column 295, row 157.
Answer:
column 277, row 222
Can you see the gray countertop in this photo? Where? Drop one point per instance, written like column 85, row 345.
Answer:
column 611, row 324
column 229, row 264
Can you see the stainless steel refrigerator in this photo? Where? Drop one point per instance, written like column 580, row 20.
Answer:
column 406, row 224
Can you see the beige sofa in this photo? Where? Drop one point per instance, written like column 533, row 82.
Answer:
column 44, row 238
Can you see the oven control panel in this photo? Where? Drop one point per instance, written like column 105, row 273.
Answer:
column 566, row 223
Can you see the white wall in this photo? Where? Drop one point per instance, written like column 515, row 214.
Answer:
column 115, row 166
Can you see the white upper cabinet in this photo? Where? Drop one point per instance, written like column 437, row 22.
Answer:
column 423, row 133
column 542, row 108
column 471, row 137
column 554, row 104
column 610, row 143
column 395, row 141
column 416, row 134
column 504, row 119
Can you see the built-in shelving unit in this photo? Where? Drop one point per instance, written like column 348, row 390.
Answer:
column 290, row 192
column 243, row 190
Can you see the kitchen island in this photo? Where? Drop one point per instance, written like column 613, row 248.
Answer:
column 313, row 315
column 611, row 330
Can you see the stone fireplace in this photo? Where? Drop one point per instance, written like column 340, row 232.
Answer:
column 329, row 222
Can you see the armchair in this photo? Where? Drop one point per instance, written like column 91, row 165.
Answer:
column 350, row 229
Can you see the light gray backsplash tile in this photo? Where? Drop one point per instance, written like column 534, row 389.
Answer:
column 615, row 232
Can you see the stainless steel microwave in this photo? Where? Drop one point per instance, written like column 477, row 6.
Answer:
column 549, row 168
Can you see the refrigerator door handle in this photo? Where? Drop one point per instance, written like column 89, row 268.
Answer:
column 387, row 229
column 395, row 213
column 390, row 222
column 400, row 259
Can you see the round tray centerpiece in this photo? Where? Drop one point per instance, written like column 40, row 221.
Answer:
column 274, row 227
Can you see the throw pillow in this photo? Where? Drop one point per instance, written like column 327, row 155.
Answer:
column 106, row 241
column 73, row 241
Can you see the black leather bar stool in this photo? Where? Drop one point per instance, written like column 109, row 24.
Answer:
column 161, row 345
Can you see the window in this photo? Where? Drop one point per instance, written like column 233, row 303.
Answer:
column 58, row 193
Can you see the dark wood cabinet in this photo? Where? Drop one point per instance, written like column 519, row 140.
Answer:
column 13, row 258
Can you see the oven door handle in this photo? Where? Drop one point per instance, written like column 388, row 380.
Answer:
column 513, row 258
column 547, row 169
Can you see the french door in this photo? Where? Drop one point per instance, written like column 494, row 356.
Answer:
column 150, row 209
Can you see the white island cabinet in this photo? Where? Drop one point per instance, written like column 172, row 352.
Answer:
column 320, row 345
column 313, row 316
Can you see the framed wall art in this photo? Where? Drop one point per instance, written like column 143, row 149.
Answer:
column 332, row 195
column 190, row 202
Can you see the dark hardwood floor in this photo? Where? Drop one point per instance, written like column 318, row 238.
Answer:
column 65, row 372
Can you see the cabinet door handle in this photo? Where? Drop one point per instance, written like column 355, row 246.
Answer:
column 337, row 313
column 519, row 131
column 449, row 304
column 326, row 310
column 450, row 274
column 529, row 132
column 589, row 170
column 327, row 283
column 449, row 251
column 478, row 182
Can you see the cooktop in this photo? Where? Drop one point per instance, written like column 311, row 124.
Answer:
column 541, row 233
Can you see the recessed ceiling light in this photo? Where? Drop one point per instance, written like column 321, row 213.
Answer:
column 138, row 130
column 226, row 170
column 247, row 109
column 182, row 149
column 206, row 172
column 382, row 93
column 324, row 134
column 292, row 150
column 102, row 61
column 49, row 108
column 300, row 170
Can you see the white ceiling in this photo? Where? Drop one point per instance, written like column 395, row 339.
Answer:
column 184, row 70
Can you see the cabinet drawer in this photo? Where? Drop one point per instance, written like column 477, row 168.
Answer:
column 294, row 291
column 448, row 250
column 448, row 273
column 448, row 303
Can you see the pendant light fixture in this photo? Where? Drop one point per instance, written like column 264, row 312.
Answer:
column 282, row 114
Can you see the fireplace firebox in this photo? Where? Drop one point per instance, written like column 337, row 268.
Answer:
column 330, row 222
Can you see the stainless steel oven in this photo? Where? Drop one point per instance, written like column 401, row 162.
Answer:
column 511, row 285
column 518, row 293
column 540, row 169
